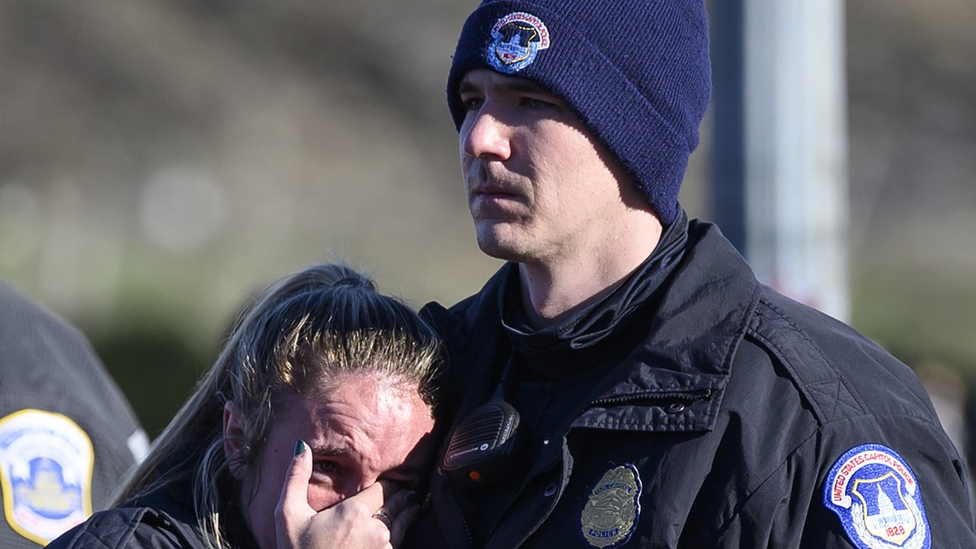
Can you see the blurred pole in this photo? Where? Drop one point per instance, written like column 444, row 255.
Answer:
column 781, row 137
column 728, row 153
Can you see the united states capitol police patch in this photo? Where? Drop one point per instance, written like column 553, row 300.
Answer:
column 611, row 513
column 516, row 39
column 875, row 494
column 46, row 465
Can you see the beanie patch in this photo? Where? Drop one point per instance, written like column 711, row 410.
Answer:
column 516, row 40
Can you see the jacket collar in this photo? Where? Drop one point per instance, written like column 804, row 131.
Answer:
column 593, row 325
column 688, row 333
column 683, row 363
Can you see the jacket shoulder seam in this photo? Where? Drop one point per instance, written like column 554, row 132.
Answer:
column 817, row 378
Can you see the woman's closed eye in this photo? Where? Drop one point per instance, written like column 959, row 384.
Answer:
column 326, row 467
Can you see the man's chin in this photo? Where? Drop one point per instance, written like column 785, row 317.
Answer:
column 498, row 248
column 492, row 249
column 502, row 239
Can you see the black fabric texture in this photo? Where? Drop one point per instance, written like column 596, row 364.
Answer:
column 730, row 408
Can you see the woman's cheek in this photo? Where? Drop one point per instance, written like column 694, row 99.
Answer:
column 322, row 497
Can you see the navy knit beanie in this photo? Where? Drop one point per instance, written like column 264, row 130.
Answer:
column 636, row 72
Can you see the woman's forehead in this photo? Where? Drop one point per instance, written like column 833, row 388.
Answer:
column 372, row 408
column 377, row 425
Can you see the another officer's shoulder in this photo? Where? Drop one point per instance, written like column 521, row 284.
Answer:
column 128, row 528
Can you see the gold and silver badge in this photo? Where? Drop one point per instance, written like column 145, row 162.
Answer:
column 611, row 514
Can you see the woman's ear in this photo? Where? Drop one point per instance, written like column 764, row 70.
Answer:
column 234, row 439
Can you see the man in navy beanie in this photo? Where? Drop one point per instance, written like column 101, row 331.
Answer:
column 624, row 380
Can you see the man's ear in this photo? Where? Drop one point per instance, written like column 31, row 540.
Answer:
column 234, row 439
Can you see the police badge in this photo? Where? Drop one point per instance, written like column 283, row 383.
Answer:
column 613, row 510
column 876, row 496
column 46, row 465
column 516, row 39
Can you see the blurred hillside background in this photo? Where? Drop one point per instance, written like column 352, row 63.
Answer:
column 162, row 160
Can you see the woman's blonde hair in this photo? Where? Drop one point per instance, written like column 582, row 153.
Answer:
column 300, row 335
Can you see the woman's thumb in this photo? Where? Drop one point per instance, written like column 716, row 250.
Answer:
column 293, row 509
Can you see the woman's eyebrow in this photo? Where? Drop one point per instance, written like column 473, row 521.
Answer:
column 334, row 450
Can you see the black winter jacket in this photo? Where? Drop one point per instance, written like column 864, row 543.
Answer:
column 710, row 412
column 163, row 519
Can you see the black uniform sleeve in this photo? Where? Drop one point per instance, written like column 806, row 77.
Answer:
column 55, row 392
column 904, row 480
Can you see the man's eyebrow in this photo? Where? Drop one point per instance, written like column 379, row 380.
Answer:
column 466, row 87
column 520, row 85
column 527, row 86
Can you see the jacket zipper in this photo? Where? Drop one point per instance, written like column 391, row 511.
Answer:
column 683, row 397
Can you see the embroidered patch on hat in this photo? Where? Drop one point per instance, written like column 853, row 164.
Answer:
column 516, row 39
column 46, row 465
column 611, row 514
column 875, row 494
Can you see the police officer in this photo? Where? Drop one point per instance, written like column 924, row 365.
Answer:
column 67, row 435
column 624, row 380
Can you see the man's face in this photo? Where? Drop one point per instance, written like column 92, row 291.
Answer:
column 539, row 186
column 363, row 430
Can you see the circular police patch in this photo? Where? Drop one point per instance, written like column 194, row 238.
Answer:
column 516, row 40
column 46, row 465
column 613, row 509
column 876, row 496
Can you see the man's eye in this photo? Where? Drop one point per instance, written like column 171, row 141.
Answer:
column 535, row 103
column 472, row 103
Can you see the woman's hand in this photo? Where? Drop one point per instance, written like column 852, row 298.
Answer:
column 369, row 520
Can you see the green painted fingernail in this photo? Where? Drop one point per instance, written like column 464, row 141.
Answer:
column 299, row 447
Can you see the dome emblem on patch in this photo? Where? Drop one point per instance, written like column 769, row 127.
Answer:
column 613, row 509
column 46, row 463
column 875, row 494
column 516, row 40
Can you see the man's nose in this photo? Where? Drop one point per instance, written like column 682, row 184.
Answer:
column 484, row 135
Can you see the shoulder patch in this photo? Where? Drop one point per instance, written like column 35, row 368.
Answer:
column 46, row 463
column 875, row 494
column 516, row 39
column 611, row 514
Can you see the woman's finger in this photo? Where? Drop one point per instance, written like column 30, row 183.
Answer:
column 352, row 523
column 293, row 510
